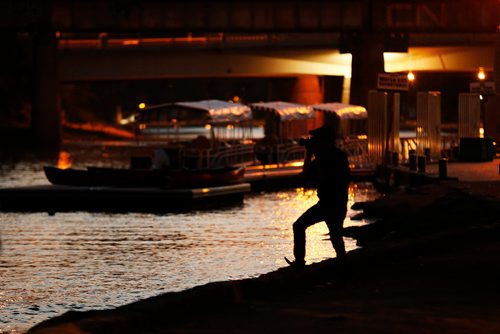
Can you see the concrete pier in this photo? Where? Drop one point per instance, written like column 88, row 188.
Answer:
column 389, row 177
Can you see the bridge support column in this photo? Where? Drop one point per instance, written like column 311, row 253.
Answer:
column 492, row 121
column 497, row 62
column 307, row 90
column 46, row 121
column 367, row 61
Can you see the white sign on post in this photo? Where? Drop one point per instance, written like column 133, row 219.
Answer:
column 482, row 87
column 392, row 81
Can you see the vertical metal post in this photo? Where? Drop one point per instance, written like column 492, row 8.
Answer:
column 469, row 115
column 443, row 168
column 395, row 159
column 413, row 162
column 421, row 163
column 427, row 154
column 429, row 123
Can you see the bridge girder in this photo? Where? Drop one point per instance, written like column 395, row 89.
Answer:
column 251, row 16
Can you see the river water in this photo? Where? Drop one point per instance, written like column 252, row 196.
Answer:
column 85, row 261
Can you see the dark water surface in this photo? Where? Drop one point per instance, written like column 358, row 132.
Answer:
column 84, row 261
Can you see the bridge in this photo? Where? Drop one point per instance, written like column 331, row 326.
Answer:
column 86, row 40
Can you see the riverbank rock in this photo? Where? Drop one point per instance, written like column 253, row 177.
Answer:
column 428, row 265
column 427, row 210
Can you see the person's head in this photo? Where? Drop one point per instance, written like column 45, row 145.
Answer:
column 323, row 135
column 322, row 139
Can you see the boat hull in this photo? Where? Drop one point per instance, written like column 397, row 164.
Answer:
column 131, row 178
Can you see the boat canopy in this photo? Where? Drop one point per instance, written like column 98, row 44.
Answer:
column 343, row 110
column 220, row 111
column 286, row 111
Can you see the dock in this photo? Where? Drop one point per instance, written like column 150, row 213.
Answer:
column 63, row 198
column 265, row 177
column 56, row 198
column 473, row 174
column 275, row 176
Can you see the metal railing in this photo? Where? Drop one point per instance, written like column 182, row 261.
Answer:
column 238, row 154
column 356, row 150
column 246, row 154
column 447, row 145
column 290, row 152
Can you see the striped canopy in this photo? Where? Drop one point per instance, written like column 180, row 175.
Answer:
column 343, row 110
column 285, row 110
column 220, row 111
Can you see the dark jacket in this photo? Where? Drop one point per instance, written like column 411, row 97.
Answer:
column 330, row 173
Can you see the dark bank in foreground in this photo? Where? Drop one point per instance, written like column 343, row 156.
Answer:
column 428, row 265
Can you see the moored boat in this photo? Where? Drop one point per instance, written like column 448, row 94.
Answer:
column 284, row 124
column 199, row 134
column 179, row 145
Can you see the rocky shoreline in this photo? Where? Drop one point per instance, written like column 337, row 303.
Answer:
column 427, row 265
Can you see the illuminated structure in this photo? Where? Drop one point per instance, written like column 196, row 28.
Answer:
column 429, row 124
column 383, row 125
column 469, row 115
column 83, row 40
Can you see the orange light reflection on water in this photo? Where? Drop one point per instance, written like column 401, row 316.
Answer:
column 86, row 260
column 64, row 161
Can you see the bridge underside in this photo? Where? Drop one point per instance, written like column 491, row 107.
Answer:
column 144, row 65
column 346, row 38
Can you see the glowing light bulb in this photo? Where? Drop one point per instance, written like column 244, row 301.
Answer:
column 481, row 75
column 142, row 105
column 411, row 76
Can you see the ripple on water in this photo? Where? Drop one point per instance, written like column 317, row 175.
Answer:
column 84, row 261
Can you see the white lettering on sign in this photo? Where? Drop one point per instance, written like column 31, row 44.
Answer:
column 392, row 81
column 482, row 87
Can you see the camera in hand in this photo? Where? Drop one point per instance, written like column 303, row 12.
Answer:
column 307, row 142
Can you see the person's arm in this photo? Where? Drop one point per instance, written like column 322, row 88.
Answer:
column 308, row 173
column 307, row 162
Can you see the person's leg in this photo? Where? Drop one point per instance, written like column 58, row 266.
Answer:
column 335, row 223
column 308, row 218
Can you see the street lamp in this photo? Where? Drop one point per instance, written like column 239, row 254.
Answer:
column 411, row 76
column 480, row 74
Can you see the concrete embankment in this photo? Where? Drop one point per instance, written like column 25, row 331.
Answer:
column 427, row 265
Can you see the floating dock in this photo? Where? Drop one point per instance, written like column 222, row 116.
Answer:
column 59, row 198
column 55, row 198
column 272, row 177
column 276, row 177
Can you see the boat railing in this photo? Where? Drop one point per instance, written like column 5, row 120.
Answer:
column 280, row 153
column 289, row 152
column 236, row 154
column 356, row 150
column 196, row 157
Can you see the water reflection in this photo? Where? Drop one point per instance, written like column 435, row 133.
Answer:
column 83, row 261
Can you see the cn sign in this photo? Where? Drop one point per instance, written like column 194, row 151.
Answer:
column 392, row 81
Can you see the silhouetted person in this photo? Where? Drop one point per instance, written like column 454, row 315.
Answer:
column 327, row 167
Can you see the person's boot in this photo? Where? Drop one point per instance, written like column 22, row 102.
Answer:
column 295, row 264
